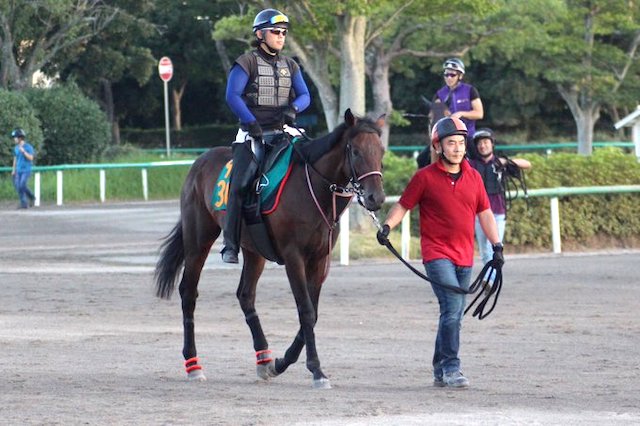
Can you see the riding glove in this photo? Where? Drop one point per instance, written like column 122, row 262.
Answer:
column 498, row 257
column 254, row 130
column 383, row 235
column 289, row 115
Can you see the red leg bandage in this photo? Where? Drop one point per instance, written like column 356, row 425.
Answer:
column 264, row 356
column 192, row 364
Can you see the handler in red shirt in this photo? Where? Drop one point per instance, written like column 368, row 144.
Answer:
column 450, row 194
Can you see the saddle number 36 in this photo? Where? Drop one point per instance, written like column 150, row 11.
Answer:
column 222, row 187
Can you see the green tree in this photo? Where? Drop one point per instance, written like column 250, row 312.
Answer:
column 17, row 112
column 589, row 50
column 32, row 33
column 117, row 53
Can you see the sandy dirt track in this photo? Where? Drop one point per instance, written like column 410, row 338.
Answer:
column 83, row 339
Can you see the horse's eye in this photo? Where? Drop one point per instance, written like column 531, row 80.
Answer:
column 356, row 153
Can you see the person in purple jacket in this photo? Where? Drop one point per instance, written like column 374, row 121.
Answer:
column 265, row 90
column 461, row 100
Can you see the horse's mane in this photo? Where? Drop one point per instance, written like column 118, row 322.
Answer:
column 313, row 149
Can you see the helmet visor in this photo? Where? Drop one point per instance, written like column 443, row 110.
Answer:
column 278, row 19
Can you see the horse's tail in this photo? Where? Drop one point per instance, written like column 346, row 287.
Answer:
column 170, row 262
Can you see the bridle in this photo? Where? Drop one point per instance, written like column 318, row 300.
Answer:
column 353, row 188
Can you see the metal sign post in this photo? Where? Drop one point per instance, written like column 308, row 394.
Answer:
column 165, row 69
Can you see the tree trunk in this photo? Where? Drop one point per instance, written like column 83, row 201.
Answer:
column 316, row 67
column 379, row 78
column 586, row 113
column 109, row 109
column 176, row 99
column 352, row 69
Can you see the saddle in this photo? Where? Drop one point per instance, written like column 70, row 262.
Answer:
column 265, row 197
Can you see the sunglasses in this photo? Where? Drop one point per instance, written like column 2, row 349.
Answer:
column 450, row 75
column 278, row 31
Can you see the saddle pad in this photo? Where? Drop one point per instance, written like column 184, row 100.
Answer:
column 275, row 178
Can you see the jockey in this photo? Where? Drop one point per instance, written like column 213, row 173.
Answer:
column 265, row 90
column 462, row 100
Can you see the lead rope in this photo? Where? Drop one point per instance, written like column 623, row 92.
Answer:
column 491, row 268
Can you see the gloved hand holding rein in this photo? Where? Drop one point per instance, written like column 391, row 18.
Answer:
column 254, row 130
column 289, row 115
column 498, row 256
column 383, row 235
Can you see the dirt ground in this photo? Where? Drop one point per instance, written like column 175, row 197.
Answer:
column 83, row 339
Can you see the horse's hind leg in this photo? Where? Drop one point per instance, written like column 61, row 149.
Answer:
column 196, row 252
column 253, row 265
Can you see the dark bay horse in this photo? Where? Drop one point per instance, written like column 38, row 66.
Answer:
column 325, row 173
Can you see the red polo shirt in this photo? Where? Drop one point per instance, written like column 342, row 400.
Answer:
column 447, row 211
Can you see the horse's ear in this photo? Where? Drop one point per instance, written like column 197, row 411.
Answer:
column 380, row 121
column 349, row 118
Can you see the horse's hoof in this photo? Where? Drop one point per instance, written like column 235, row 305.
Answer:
column 266, row 370
column 196, row 376
column 322, row 383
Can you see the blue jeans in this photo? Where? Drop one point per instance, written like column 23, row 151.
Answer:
column 484, row 245
column 445, row 356
column 20, row 180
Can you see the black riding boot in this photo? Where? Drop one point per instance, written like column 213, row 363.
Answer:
column 242, row 175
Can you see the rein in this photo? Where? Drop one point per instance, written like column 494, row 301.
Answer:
column 490, row 268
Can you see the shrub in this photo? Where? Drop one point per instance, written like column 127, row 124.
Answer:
column 75, row 129
column 17, row 112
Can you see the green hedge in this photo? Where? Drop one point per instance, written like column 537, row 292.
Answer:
column 189, row 137
column 584, row 219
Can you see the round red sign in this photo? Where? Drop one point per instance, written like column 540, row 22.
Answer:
column 165, row 68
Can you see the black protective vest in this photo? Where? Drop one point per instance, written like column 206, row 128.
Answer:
column 270, row 89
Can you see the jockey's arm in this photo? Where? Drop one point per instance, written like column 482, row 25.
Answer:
column 236, row 83
column 520, row 162
column 303, row 98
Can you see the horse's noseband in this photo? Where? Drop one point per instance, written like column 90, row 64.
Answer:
column 355, row 179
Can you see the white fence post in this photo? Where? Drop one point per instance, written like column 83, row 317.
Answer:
column 59, row 187
column 344, row 237
column 145, row 185
column 405, row 236
column 555, row 225
column 36, row 189
column 103, row 185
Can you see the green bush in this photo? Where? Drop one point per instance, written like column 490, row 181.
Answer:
column 206, row 136
column 17, row 112
column 75, row 129
column 583, row 218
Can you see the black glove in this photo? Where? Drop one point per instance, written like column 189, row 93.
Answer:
column 383, row 235
column 498, row 257
column 289, row 115
column 254, row 130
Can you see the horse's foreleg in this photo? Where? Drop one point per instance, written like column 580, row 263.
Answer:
column 298, row 277
column 291, row 355
column 253, row 265
column 189, row 293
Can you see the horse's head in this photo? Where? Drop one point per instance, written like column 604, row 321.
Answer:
column 364, row 152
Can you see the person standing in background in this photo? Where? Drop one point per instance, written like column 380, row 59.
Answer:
column 23, row 155
column 461, row 100
column 494, row 171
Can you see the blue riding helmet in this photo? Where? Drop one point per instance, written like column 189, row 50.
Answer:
column 270, row 18
column 18, row 133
